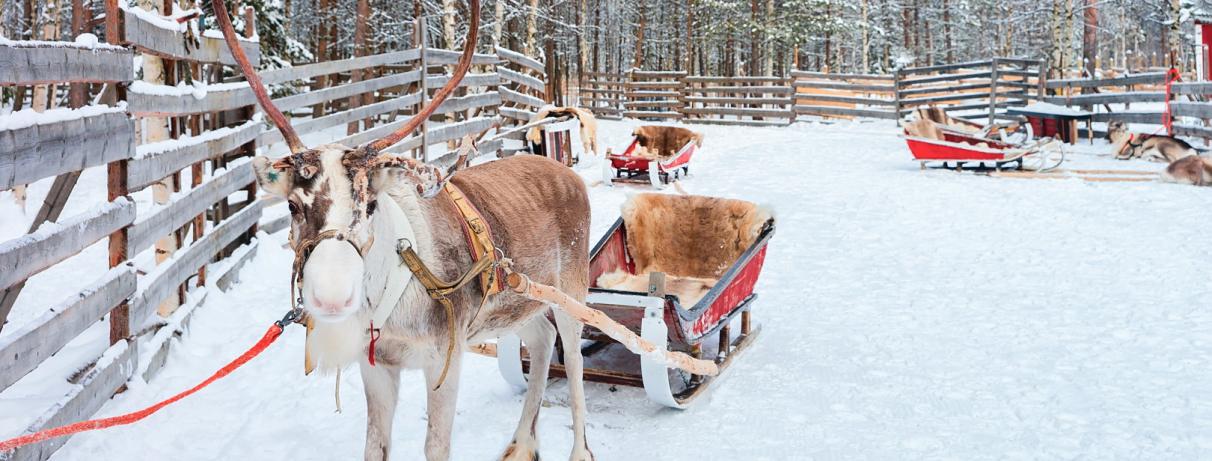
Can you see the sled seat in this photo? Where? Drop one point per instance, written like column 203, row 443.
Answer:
column 691, row 239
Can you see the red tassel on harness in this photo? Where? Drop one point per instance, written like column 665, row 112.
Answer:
column 374, row 336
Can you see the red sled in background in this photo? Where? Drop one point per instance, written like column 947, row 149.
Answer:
column 632, row 167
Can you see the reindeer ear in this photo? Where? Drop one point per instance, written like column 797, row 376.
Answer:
column 275, row 178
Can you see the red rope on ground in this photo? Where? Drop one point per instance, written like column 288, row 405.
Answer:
column 120, row 420
column 1173, row 75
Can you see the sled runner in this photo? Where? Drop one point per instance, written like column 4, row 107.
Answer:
column 673, row 269
column 632, row 167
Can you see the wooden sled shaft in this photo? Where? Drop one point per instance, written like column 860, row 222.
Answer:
column 616, row 331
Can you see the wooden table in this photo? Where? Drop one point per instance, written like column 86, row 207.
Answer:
column 1055, row 121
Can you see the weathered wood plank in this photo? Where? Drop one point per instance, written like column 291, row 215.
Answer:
column 743, row 89
column 1191, row 109
column 509, row 95
column 25, row 256
column 490, row 79
column 435, row 56
column 657, row 74
column 521, row 79
column 946, row 67
column 673, row 103
column 1151, row 78
column 863, row 87
column 842, row 111
column 830, row 76
column 808, row 98
column 735, row 80
column 743, row 101
column 24, row 350
column 1191, row 130
column 448, row 132
column 168, row 105
column 777, row 113
column 525, row 115
column 1197, row 88
column 344, row 91
column 523, row 60
column 166, row 277
column 1107, row 98
column 42, row 151
column 93, row 389
column 307, row 71
column 946, row 78
column 144, row 233
column 150, row 38
column 651, row 114
column 968, row 87
column 738, row 122
column 491, row 98
column 30, row 63
column 155, row 163
column 272, row 136
column 653, row 85
column 1154, row 118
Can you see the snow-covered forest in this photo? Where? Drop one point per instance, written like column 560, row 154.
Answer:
column 709, row 37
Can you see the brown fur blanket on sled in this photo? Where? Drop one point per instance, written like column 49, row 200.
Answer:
column 662, row 142
column 692, row 239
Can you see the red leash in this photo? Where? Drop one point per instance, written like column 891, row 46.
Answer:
column 91, row 425
column 1173, row 75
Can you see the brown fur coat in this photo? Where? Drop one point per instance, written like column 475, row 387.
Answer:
column 660, row 142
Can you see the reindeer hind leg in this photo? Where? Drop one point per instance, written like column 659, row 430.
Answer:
column 539, row 336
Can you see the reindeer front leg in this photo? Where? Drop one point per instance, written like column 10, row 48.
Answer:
column 440, row 403
column 382, row 391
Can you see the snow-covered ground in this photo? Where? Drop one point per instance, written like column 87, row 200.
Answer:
column 908, row 315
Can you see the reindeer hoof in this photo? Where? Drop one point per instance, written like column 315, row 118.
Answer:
column 518, row 452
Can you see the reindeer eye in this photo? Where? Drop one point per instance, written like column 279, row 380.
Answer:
column 294, row 209
column 372, row 206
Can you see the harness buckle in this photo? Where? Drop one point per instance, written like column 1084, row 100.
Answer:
column 292, row 316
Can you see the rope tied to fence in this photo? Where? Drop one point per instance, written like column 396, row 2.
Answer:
column 268, row 338
column 1173, row 75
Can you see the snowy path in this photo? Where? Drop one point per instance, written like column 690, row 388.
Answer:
column 907, row 315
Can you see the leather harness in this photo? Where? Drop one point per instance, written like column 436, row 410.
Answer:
column 488, row 265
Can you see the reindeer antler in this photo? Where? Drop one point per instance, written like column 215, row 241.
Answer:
column 254, row 80
column 469, row 49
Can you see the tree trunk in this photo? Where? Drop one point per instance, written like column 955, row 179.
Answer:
column 361, row 24
column 448, row 23
column 866, row 44
column 768, row 58
column 155, row 129
column 1090, row 37
column 639, row 35
column 531, row 24
column 498, row 22
column 322, row 53
column 582, row 43
column 1174, row 50
column 755, row 44
column 947, row 32
column 690, row 36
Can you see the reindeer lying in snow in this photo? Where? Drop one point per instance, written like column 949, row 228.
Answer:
column 356, row 213
column 1159, row 148
column 1194, row 169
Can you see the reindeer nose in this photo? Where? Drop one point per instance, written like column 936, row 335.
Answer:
column 332, row 305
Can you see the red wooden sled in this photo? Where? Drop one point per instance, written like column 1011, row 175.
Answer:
column 959, row 149
column 705, row 330
column 630, row 167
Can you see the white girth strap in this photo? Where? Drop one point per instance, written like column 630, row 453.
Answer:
column 386, row 276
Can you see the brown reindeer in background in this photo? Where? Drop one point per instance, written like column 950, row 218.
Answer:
column 352, row 207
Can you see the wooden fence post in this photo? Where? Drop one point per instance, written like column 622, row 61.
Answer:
column 119, row 317
column 423, row 154
column 896, row 94
column 993, row 77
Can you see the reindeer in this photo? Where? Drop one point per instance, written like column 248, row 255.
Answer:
column 356, row 211
column 1160, row 148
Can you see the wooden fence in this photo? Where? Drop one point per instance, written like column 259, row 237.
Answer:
column 653, row 94
column 973, row 89
column 200, row 235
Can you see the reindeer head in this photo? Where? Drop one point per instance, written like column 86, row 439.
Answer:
column 1116, row 130
column 331, row 190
